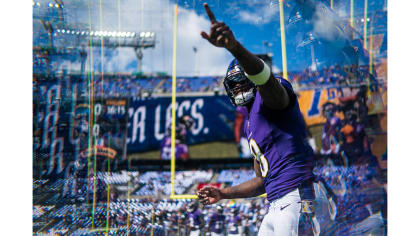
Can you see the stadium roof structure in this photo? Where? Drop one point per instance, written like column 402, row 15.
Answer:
column 66, row 40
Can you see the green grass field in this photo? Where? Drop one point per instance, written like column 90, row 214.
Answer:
column 198, row 151
column 216, row 149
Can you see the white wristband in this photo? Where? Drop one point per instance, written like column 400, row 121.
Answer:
column 262, row 77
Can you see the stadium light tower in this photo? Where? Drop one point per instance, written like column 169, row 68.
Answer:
column 113, row 39
column 138, row 41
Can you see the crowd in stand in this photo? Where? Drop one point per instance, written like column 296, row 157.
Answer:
column 235, row 177
column 123, row 85
column 347, row 196
column 136, row 86
column 70, row 213
column 154, row 182
column 163, row 217
column 332, row 76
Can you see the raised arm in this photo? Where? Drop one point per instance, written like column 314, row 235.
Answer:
column 274, row 95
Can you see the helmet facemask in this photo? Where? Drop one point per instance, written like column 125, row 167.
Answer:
column 240, row 89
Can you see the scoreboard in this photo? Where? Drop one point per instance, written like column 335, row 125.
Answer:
column 108, row 125
column 67, row 129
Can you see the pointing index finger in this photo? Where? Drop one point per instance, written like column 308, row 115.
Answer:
column 209, row 13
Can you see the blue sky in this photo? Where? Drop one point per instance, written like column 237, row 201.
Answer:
column 252, row 21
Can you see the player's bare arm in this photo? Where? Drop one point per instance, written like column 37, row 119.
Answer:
column 272, row 92
column 252, row 188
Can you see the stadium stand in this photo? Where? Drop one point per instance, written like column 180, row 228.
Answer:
column 134, row 86
column 146, row 210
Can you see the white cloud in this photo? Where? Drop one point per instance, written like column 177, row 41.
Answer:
column 261, row 13
column 276, row 70
column 158, row 17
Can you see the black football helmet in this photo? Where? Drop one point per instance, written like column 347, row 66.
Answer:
column 219, row 209
column 187, row 121
column 239, row 88
column 192, row 206
column 329, row 109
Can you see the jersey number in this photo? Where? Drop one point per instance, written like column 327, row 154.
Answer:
column 259, row 156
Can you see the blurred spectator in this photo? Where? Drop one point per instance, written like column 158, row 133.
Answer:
column 330, row 147
column 195, row 222
column 355, row 140
column 234, row 219
column 240, row 137
column 217, row 222
column 356, row 146
column 134, row 86
column 351, row 199
column 181, row 147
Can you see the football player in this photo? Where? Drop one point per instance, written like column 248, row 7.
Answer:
column 240, row 138
column 275, row 129
column 181, row 147
column 234, row 227
column 217, row 222
column 194, row 219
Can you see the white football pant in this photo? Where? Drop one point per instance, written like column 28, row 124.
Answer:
column 283, row 216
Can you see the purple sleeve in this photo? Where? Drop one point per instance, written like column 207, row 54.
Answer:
column 286, row 84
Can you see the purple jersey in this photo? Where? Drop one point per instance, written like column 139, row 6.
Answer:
column 277, row 140
column 181, row 149
column 216, row 223
column 233, row 224
column 330, row 135
column 194, row 220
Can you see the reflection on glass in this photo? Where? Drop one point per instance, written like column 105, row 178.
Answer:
column 102, row 85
